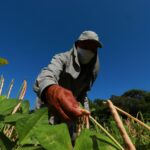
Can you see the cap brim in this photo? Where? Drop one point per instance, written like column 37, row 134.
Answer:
column 98, row 43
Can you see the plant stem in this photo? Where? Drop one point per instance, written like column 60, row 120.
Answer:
column 103, row 129
column 135, row 119
column 10, row 88
column 1, row 83
column 23, row 90
column 120, row 126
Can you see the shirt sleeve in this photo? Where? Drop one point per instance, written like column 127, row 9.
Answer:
column 86, row 104
column 50, row 74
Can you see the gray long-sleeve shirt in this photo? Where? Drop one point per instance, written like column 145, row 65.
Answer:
column 65, row 70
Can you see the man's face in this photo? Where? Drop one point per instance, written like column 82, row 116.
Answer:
column 88, row 45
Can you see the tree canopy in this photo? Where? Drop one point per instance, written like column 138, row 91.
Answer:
column 132, row 101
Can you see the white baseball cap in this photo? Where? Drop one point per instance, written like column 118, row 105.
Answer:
column 90, row 35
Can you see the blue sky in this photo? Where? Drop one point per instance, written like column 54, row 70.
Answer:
column 32, row 31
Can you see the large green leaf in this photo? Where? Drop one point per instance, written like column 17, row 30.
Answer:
column 1, row 118
column 7, row 106
column 5, row 143
column 90, row 140
column 54, row 137
column 1, row 126
column 25, row 106
column 31, row 148
column 15, row 117
column 25, row 127
column 3, row 97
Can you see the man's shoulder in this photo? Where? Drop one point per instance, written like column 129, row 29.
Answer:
column 64, row 55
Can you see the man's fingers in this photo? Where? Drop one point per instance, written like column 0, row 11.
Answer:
column 77, row 112
column 62, row 114
column 84, row 111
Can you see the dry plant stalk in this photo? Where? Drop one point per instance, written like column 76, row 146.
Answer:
column 107, row 133
column 135, row 119
column 21, row 96
column 82, row 122
column 1, row 84
column 120, row 126
column 10, row 88
column 130, row 127
column 8, row 130
column 23, row 91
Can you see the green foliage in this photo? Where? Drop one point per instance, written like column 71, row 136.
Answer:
column 111, row 126
column 25, row 106
column 135, row 102
column 15, row 117
column 2, row 97
column 31, row 131
column 25, row 127
column 138, row 94
column 132, row 101
column 7, row 106
column 31, row 148
column 91, row 140
column 51, row 137
column 3, row 61
column 5, row 143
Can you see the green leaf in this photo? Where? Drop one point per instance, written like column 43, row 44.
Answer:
column 25, row 127
column 15, row 117
column 5, row 143
column 31, row 148
column 7, row 106
column 1, row 126
column 92, row 109
column 3, row 97
column 25, row 106
column 90, row 140
column 54, row 137
column 1, row 118
column 3, row 61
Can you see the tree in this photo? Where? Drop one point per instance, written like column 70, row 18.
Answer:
column 134, row 93
column 132, row 101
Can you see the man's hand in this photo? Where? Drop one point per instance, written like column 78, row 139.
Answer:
column 62, row 103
